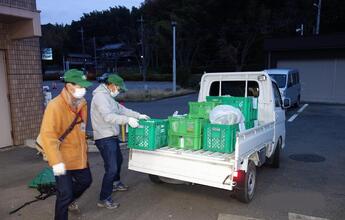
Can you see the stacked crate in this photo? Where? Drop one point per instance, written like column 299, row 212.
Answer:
column 150, row 135
column 220, row 138
column 186, row 132
column 247, row 105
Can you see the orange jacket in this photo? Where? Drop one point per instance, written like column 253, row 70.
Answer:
column 57, row 117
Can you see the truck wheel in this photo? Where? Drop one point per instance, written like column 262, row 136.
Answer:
column 246, row 189
column 155, row 179
column 298, row 102
column 274, row 160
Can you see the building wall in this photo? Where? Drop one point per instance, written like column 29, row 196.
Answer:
column 24, row 77
column 22, row 4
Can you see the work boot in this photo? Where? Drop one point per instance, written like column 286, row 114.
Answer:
column 120, row 187
column 108, row 204
column 74, row 207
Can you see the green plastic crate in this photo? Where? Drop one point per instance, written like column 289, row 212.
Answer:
column 249, row 124
column 201, row 109
column 185, row 142
column 220, row 138
column 186, row 126
column 218, row 99
column 150, row 135
column 245, row 104
column 255, row 114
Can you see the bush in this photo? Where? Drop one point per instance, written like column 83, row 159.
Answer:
column 150, row 77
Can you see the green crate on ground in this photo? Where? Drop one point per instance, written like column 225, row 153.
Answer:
column 150, row 135
column 201, row 109
column 220, row 138
column 185, row 142
column 245, row 104
column 184, row 126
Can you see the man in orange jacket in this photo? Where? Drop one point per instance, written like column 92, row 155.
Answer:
column 69, row 157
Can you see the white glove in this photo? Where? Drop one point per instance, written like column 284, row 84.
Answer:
column 59, row 169
column 133, row 122
column 145, row 117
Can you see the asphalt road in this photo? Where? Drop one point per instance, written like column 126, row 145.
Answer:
column 302, row 187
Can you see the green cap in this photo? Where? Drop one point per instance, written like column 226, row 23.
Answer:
column 118, row 81
column 77, row 77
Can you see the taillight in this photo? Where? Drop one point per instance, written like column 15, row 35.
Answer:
column 235, row 174
column 238, row 177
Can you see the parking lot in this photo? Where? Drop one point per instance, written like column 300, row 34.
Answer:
column 310, row 181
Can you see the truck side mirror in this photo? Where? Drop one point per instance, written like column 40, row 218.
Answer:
column 286, row 103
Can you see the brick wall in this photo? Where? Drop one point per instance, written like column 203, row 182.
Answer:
column 22, row 4
column 24, row 83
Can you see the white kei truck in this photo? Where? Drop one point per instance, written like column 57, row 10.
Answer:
column 235, row 171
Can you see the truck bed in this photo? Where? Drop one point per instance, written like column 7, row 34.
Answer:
column 202, row 167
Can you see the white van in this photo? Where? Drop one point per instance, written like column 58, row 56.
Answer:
column 288, row 83
column 254, row 147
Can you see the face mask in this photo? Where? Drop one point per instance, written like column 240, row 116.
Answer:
column 114, row 94
column 79, row 93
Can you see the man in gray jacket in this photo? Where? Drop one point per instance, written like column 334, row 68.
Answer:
column 106, row 116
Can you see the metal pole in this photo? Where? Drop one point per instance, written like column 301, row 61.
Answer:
column 174, row 55
column 95, row 53
column 82, row 39
column 318, row 17
column 63, row 63
column 143, row 64
column 83, row 47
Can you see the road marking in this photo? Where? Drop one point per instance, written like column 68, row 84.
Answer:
column 302, row 108
column 234, row 217
column 294, row 216
column 292, row 118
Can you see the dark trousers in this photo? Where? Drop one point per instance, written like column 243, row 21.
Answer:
column 112, row 156
column 70, row 187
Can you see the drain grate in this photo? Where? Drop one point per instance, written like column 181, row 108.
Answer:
column 308, row 158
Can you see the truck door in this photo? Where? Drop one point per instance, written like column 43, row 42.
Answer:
column 279, row 114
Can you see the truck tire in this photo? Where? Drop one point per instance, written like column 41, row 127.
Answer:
column 155, row 179
column 274, row 160
column 298, row 102
column 246, row 189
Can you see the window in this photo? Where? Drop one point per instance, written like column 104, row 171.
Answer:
column 277, row 98
column 295, row 78
column 291, row 80
column 280, row 79
column 235, row 88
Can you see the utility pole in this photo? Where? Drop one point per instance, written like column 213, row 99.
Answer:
column 142, row 57
column 173, row 24
column 83, row 48
column 95, row 54
column 318, row 6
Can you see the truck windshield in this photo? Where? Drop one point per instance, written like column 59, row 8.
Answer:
column 280, row 79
